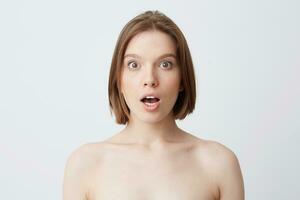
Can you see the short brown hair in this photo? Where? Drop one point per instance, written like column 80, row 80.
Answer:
column 152, row 20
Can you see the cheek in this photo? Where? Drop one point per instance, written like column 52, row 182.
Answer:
column 128, row 84
column 172, row 83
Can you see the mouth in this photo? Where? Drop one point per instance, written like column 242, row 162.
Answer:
column 151, row 102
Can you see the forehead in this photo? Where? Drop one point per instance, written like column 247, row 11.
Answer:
column 150, row 44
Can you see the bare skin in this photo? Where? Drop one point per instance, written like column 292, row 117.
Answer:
column 151, row 158
column 186, row 168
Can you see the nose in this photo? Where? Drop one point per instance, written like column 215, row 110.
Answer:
column 150, row 79
column 150, row 83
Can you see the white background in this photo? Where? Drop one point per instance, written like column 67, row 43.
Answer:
column 54, row 64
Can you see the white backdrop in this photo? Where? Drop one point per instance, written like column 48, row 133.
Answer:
column 54, row 64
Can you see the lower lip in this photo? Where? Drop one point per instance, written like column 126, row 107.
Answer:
column 151, row 106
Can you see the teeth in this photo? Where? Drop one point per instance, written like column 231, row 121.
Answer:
column 150, row 97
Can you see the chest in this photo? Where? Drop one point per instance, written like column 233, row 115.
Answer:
column 128, row 177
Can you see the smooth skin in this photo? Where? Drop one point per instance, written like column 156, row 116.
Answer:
column 152, row 158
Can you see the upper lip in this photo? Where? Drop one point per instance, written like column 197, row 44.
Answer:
column 149, row 94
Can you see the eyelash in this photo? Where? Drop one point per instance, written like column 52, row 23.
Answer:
column 169, row 62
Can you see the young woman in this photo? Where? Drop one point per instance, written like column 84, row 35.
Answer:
column 151, row 84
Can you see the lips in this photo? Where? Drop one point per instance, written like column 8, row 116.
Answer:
column 151, row 102
column 150, row 98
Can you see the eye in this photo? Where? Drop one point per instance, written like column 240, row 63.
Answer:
column 132, row 65
column 166, row 64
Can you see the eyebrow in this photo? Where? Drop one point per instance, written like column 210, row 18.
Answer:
column 160, row 57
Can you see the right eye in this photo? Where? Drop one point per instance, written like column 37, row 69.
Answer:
column 132, row 65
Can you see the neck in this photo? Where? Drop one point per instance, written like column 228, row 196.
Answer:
column 156, row 133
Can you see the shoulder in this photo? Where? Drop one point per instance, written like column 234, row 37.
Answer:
column 219, row 153
column 224, row 166
column 218, row 157
column 78, row 170
column 83, row 156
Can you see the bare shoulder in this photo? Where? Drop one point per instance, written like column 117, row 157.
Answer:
column 218, row 153
column 85, row 155
column 224, row 166
column 78, row 171
column 211, row 149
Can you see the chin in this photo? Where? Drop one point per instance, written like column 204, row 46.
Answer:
column 152, row 117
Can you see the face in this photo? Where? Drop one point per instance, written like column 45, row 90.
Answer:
column 150, row 68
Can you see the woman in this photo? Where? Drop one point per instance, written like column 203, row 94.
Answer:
column 152, row 84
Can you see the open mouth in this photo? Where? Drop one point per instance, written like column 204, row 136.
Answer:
column 150, row 100
column 150, row 103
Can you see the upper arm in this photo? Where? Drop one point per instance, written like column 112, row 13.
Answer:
column 229, row 175
column 226, row 171
column 75, row 176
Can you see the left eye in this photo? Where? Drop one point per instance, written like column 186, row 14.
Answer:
column 166, row 64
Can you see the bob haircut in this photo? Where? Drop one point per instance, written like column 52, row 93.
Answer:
column 152, row 20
